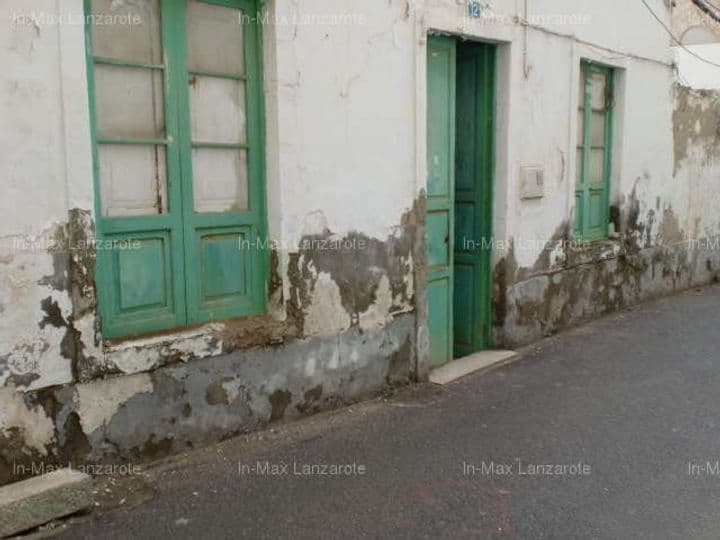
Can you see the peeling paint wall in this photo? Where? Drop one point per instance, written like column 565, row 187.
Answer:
column 332, row 270
column 177, row 407
column 668, row 240
column 345, row 161
column 46, row 179
column 342, row 284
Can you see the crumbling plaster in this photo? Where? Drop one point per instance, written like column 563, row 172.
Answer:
column 345, row 165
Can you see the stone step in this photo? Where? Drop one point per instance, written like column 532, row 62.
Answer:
column 480, row 361
column 41, row 499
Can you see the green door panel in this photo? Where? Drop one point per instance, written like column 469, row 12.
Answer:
column 473, row 197
column 441, row 104
column 465, row 229
column 144, row 274
column 142, row 296
column 439, row 294
column 438, row 231
column 579, row 214
column 464, row 305
column 440, row 218
column 227, row 277
column 223, row 266
column 596, row 209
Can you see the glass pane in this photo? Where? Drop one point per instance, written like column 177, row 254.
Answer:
column 133, row 180
column 597, row 126
column 217, row 109
column 220, row 180
column 597, row 165
column 126, row 30
column 215, row 38
column 578, row 166
column 129, row 102
column 581, row 128
column 597, row 89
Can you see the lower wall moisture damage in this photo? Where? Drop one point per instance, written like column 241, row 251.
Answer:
column 342, row 323
column 529, row 306
column 146, row 415
column 342, row 328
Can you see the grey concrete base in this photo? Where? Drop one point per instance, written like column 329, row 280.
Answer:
column 36, row 501
column 595, row 281
column 129, row 419
column 457, row 369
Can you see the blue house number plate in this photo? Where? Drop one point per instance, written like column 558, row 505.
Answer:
column 474, row 9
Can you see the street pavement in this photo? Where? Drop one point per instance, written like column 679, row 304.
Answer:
column 610, row 430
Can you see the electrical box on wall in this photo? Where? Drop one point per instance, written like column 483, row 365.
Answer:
column 532, row 182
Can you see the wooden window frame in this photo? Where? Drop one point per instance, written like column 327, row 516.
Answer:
column 180, row 229
column 583, row 231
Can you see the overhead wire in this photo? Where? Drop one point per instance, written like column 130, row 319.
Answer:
column 674, row 38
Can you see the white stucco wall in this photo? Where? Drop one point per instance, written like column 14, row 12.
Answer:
column 695, row 72
column 46, row 171
column 346, row 132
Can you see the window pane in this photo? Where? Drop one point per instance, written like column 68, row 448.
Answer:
column 578, row 166
column 597, row 89
column 597, row 165
column 597, row 125
column 220, row 180
column 129, row 102
column 127, row 30
column 215, row 38
column 217, row 110
column 133, row 180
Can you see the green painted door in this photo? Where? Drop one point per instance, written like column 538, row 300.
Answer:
column 473, row 197
column 440, row 188
column 177, row 125
column 221, row 138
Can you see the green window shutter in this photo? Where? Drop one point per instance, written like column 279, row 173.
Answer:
column 176, row 113
column 593, row 165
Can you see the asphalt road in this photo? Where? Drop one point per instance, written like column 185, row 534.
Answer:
column 624, row 412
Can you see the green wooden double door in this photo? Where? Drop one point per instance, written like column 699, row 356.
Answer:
column 177, row 124
column 460, row 101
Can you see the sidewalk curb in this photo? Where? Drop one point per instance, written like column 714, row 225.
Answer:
column 36, row 501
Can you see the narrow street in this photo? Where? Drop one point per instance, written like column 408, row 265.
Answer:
column 610, row 430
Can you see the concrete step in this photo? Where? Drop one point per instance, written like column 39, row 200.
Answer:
column 480, row 361
column 41, row 499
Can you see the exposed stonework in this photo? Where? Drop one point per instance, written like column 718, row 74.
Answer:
column 138, row 417
column 350, row 281
column 345, row 159
column 686, row 15
column 347, row 329
column 656, row 252
column 696, row 123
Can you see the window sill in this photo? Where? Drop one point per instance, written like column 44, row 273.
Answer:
column 160, row 338
column 593, row 251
